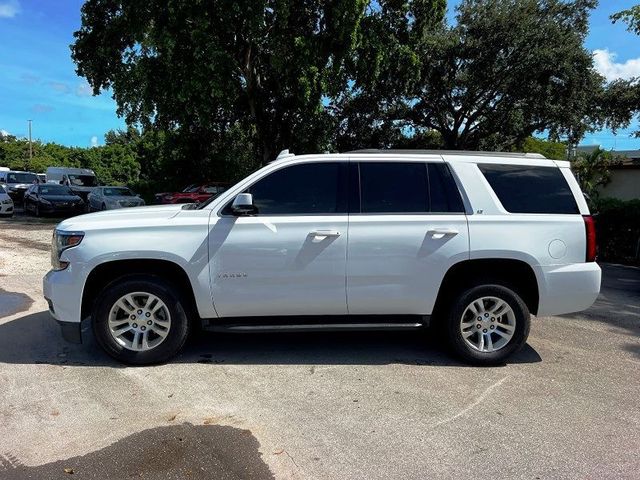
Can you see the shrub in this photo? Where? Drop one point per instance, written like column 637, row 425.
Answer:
column 618, row 229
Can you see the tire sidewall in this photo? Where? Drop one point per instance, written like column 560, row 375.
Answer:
column 179, row 322
column 520, row 335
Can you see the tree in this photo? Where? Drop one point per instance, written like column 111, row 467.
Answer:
column 552, row 150
column 505, row 70
column 631, row 17
column 593, row 170
column 206, row 70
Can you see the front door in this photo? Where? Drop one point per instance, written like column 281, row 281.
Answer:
column 290, row 257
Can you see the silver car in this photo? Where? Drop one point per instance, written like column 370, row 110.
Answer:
column 109, row 198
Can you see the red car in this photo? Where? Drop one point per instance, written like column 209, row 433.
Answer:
column 192, row 194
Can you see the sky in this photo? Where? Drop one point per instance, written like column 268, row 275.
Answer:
column 38, row 80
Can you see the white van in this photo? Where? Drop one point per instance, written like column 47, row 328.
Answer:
column 80, row 180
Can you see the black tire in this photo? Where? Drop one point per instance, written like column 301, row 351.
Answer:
column 178, row 332
column 36, row 210
column 103, row 207
column 454, row 319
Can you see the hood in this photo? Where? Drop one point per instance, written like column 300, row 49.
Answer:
column 122, row 217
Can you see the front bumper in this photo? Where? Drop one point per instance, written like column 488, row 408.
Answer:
column 6, row 208
column 64, row 294
column 71, row 332
column 569, row 288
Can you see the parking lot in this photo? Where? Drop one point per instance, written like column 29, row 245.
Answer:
column 329, row 406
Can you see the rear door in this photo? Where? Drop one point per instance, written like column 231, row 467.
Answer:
column 406, row 228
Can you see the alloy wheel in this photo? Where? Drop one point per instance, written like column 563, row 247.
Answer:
column 139, row 321
column 487, row 324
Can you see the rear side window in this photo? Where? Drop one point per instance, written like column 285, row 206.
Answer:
column 411, row 187
column 530, row 189
column 394, row 187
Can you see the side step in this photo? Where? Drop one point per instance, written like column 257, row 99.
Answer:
column 316, row 324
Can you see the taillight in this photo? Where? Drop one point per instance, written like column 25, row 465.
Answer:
column 590, row 229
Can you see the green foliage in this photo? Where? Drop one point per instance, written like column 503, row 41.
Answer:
column 552, row 150
column 618, row 229
column 203, row 70
column 504, row 71
column 593, row 170
column 114, row 164
column 631, row 17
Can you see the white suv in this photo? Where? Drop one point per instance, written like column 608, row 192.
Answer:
column 473, row 242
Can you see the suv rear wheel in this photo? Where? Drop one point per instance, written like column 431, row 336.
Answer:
column 140, row 320
column 487, row 323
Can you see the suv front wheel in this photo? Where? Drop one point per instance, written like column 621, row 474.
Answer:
column 140, row 320
column 487, row 323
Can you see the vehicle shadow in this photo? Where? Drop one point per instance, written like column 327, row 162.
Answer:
column 35, row 339
column 618, row 304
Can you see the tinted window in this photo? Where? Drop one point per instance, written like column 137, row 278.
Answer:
column 312, row 188
column 54, row 190
column 443, row 192
column 117, row 192
column 394, row 187
column 528, row 189
column 21, row 178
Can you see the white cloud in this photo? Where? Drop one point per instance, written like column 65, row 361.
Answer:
column 9, row 9
column 84, row 90
column 605, row 63
column 94, row 141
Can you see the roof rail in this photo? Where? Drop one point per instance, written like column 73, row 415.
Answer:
column 448, row 152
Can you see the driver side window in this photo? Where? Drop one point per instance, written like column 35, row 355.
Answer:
column 303, row 189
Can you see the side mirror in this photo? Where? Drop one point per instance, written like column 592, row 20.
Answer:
column 243, row 204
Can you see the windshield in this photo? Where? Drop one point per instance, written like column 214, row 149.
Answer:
column 82, row 180
column 21, row 178
column 55, row 190
column 190, row 188
column 118, row 192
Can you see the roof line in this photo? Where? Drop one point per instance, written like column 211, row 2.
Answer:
column 449, row 152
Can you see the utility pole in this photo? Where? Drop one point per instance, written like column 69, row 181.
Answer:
column 30, row 146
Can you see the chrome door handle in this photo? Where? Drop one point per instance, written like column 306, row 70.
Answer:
column 325, row 233
column 441, row 232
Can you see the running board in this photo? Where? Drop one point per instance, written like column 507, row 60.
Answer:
column 293, row 324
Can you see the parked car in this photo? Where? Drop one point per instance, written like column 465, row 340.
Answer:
column 6, row 204
column 16, row 183
column 472, row 242
column 108, row 198
column 192, row 194
column 81, row 181
column 41, row 199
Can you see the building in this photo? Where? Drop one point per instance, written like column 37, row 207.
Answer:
column 625, row 175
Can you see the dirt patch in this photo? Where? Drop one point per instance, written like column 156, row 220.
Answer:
column 183, row 451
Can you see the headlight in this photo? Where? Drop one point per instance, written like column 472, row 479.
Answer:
column 60, row 242
column 7, row 201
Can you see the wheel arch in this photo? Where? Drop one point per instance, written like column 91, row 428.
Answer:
column 106, row 273
column 515, row 274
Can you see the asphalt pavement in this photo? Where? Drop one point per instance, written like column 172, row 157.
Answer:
column 316, row 406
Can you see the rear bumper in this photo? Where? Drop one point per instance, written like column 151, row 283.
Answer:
column 568, row 288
